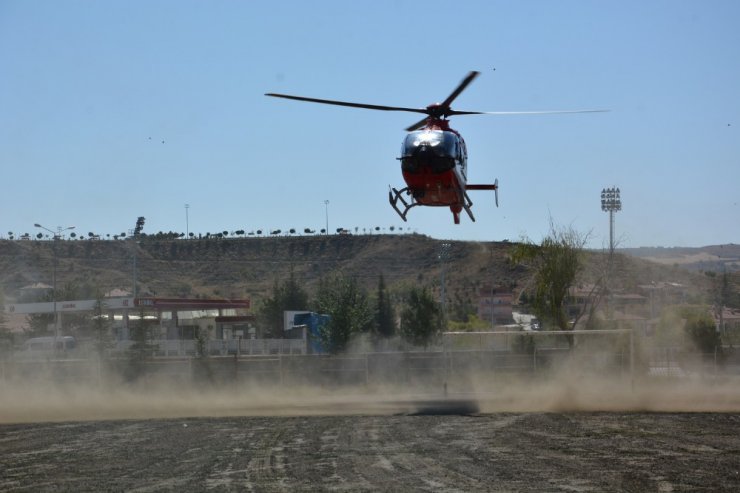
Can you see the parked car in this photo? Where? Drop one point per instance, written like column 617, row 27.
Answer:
column 48, row 346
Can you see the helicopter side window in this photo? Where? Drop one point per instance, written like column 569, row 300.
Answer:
column 451, row 146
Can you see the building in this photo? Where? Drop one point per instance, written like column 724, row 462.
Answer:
column 495, row 306
column 170, row 318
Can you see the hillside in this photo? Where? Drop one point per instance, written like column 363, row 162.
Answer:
column 716, row 258
column 248, row 267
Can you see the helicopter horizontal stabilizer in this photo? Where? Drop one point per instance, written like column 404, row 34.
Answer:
column 493, row 187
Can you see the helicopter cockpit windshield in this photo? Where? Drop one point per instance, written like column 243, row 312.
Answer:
column 439, row 142
column 429, row 149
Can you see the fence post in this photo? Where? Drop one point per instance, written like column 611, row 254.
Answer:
column 280, row 367
column 632, row 358
column 367, row 370
column 715, row 360
column 534, row 359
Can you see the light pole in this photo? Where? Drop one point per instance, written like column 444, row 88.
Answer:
column 611, row 202
column 56, row 235
column 187, row 227
column 326, row 206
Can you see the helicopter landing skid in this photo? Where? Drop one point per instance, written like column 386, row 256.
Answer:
column 395, row 195
column 467, row 204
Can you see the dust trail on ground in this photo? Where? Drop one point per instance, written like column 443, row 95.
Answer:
column 32, row 401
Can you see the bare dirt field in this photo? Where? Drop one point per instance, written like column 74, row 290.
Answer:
column 370, row 443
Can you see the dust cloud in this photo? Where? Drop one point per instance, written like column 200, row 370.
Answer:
column 567, row 390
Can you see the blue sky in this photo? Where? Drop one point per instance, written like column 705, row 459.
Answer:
column 89, row 90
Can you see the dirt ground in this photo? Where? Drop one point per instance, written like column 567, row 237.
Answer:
column 572, row 434
column 431, row 450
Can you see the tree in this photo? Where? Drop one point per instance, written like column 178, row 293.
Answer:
column 5, row 333
column 461, row 308
column 348, row 308
column 288, row 295
column 40, row 325
column 557, row 263
column 385, row 316
column 723, row 295
column 141, row 349
column 101, row 325
column 701, row 329
column 421, row 318
column 74, row 322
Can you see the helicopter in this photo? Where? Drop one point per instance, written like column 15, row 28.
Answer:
column 434, row 157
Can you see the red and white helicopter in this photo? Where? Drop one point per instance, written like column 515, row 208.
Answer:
column 433, row 158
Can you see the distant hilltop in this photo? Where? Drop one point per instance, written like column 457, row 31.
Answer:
column 715, row 258
column 249, row 267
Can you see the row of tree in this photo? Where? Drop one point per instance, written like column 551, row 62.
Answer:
column 352, row 311
column 221, row 234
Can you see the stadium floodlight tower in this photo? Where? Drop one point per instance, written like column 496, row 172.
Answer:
column 134, row 241
column 55, row 236
column 611, row 202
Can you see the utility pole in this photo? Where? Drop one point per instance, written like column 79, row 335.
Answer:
column 326, row 207
column 187, row 228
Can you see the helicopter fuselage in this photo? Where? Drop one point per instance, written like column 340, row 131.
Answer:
column 433, row 156
column 434, row 163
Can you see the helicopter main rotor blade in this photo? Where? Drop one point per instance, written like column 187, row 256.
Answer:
column 460, row 88
column 351, row 105
column 416, row 126
column 555, row 112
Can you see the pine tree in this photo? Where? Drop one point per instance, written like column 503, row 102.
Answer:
column 285, row 296
column 421, row 318
column 348, row 308
column 385, row 323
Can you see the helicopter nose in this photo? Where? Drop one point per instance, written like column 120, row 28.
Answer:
column 424, row 151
